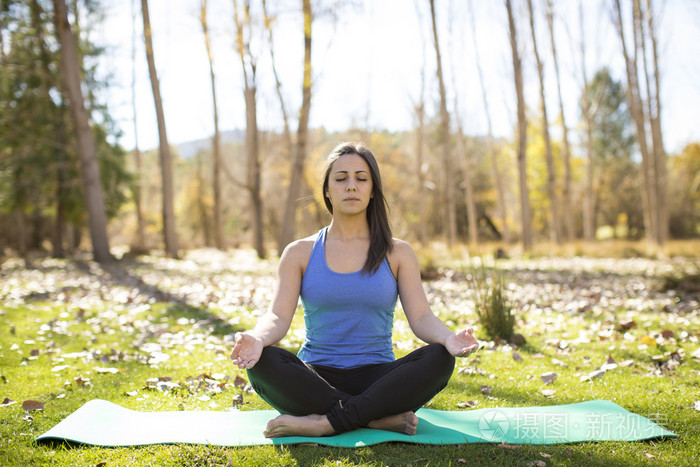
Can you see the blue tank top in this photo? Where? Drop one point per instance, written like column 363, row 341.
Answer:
column 348, row 316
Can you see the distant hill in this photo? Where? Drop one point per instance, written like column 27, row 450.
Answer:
column 191, row 148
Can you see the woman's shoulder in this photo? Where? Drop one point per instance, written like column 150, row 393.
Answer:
column 299, row 251
column 401, row 251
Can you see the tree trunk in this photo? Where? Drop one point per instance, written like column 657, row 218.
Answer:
column 469, row 201
column 450, row 214
column 290, row 208
column 637, row 111
column 566, row 207
column 654, row 112
column 166, row 163
column 203, row 216
column 589, row 197
column 253, row 185
column 92, row 184
column 278, row 83
column 216, row 142
column 555, row 222
column 140, row 225
column 526, row 219
column 420, row 172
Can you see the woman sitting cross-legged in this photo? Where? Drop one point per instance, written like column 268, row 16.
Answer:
column 349, row 277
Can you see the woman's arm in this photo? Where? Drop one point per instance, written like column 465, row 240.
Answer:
column 424, row 324
column 274, row 324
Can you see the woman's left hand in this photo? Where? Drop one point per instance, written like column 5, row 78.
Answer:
column 462, row 343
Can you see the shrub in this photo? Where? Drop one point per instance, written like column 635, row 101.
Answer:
column 491, row 304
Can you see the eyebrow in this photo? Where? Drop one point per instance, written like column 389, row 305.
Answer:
column 346, row 171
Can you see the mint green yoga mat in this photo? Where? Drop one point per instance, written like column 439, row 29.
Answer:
column 102, row 423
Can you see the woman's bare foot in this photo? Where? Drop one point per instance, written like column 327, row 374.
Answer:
column 289, row 425
column 405, row 423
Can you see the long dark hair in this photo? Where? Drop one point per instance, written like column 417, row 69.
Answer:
column 380, row 238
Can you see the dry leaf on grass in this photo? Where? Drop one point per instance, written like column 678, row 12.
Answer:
column 30, row 405
column 548, row 377
column 548, row 392
column 7, row 401
column 468, row 404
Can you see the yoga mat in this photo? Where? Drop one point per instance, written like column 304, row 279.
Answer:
column 102, row 423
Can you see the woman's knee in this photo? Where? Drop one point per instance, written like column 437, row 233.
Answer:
column 441, row 360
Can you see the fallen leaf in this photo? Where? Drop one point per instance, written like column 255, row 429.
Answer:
column 461, row 461
column 626, row 326
column 204, row 398
column 517, row 357
column 649, row 456
column 648, row 340
column 486, row 390
column 696, row 405
column 548, row 392
column 592, row 375
column 107, row 370
column 3, row 379
column 59, row 368
column 239, row 381
column 667, row 334
column 7, row 401
column 34, row 353
column 518, row 339
column 560, row 363
column 238, row 399
column 30, row 405
column 468, row 404
column 548, row 377
column 545, row 455
column 132, row 393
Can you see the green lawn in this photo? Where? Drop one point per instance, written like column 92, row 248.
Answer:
column 72, row 331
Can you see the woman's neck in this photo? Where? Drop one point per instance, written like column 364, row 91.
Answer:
column 349, row 229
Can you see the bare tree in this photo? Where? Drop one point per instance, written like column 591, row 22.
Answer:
column 249, row 67
column 654, row 113
column 278, row 83
column 140, row 227
column 493, row 154
column 450, row 212
column 299, row 155
column 555, row 224
column 216, row 140
column 586, row 110
column 566, row 208
column 634, row 99
column 92, row 184
column 526, row 219
column 166, row 163
column 421, row 165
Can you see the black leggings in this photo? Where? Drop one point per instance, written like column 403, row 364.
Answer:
column 351, row 398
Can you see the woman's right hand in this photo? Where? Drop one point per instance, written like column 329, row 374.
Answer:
column 247, row 351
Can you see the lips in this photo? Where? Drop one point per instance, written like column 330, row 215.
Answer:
column 351, row 199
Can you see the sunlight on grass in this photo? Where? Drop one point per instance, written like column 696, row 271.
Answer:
column 155, row 334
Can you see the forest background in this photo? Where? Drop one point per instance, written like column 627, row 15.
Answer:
column 517, row 122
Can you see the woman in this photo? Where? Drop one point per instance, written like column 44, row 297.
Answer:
column 349, row 276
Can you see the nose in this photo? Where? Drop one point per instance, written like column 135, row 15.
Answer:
column 351, row 185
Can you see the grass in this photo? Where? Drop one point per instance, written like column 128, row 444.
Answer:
column 112, row 320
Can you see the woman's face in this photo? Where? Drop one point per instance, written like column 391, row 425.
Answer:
column 349, row 185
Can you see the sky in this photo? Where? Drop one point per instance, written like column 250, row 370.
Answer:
column 368, row 61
